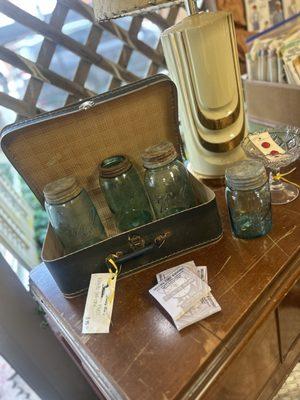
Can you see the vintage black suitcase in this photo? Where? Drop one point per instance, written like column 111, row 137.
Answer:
column 73, row 140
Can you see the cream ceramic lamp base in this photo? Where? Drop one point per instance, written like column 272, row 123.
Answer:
column 202, row 59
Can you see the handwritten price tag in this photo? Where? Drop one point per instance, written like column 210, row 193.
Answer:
column 99, row 303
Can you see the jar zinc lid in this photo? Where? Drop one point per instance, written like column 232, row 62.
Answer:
column 114, row 166
column 246, row 175
column 62, row 190
column 159, row 155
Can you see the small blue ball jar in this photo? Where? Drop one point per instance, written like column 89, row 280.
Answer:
column 248, row 199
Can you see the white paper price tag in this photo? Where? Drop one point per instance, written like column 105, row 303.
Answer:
column 99, row 303
column 266, row 145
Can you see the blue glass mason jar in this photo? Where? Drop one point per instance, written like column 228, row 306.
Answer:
column 72, row 214
column 124, row 193
column 167, row 181
column 248, row 199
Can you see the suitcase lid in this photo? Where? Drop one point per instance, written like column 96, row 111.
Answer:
column 74, row 139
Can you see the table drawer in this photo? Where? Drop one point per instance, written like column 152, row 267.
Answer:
column 289, row 319
column 250, row 370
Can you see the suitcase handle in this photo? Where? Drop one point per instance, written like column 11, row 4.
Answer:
column 138, row 244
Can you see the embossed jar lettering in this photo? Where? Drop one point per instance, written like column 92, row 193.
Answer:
column 167, row 181
column 124, row 193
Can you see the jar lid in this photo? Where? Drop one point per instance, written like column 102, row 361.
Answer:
column 114, row 166
column 62, row 190
column 159, row 155
column 246, row 175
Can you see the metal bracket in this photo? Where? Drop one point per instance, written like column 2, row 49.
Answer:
column 139, row 247
column 136, row 242
column 191, row 7
column 86, row 105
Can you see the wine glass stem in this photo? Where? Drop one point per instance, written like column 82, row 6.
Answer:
column 275, row 184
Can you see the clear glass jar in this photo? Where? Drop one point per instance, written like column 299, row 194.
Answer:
column 167, row 181
column 72, row 214
column 124, row 193
column 248, row 199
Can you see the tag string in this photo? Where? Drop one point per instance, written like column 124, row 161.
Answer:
column 114, row 271
column 280, row 176
column 113, row 268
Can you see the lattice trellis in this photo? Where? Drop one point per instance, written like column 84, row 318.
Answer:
column 40, row 71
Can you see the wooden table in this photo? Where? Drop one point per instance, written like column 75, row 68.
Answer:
column 243, row 352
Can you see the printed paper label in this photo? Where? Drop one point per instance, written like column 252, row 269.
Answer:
column 180, row 291
column 163, row 274
column 204, row 308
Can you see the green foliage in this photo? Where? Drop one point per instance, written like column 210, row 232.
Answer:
column 40, row 216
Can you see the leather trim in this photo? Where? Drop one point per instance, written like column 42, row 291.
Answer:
column 95, row 99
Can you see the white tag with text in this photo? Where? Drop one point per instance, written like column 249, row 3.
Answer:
column 179, row 291
column 99, row 303
column 162, row 275
column 204, row 308
column 200, row 271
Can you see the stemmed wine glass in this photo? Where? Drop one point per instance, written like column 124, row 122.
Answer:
column 288, row 138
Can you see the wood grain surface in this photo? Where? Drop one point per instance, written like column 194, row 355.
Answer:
column 145, row 357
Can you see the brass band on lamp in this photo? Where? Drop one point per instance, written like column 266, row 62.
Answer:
column 223, row 147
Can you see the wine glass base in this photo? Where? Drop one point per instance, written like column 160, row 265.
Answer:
column 283, row 194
